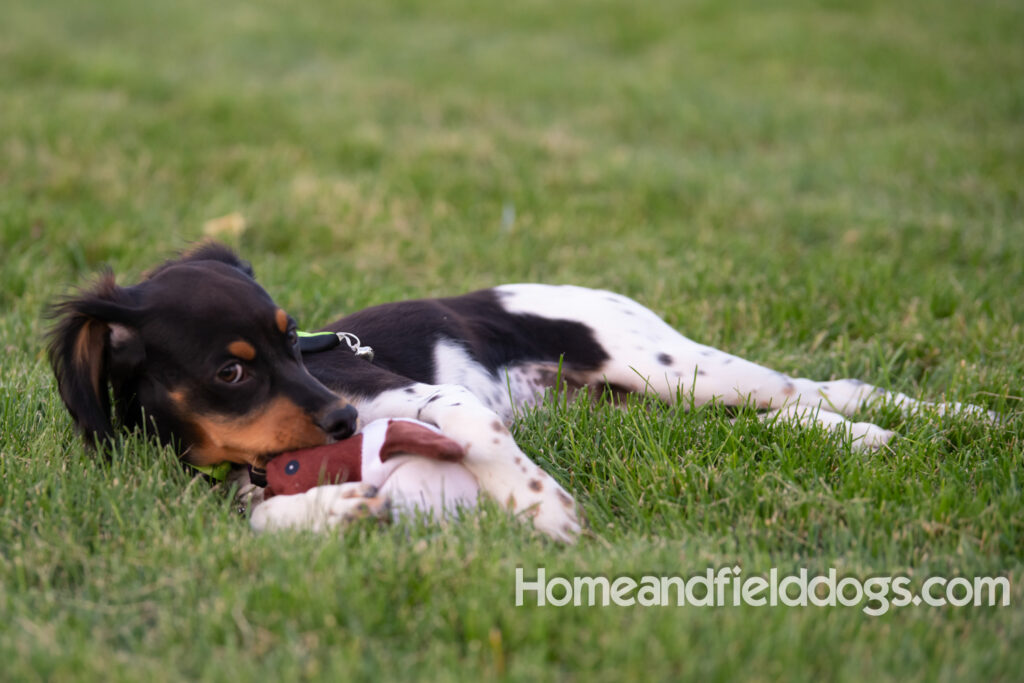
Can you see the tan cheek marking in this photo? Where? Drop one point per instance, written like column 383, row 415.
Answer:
column 242, row 349
column 282, row 426
column 282, row 320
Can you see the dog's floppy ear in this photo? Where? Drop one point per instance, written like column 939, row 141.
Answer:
column 93, row 338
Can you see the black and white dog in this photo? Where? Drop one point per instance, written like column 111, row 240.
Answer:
column 201, row 350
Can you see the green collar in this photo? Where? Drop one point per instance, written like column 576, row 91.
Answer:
column 218, row 472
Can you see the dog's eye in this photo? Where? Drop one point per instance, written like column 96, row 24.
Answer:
column 232, row 373
column 293, row 338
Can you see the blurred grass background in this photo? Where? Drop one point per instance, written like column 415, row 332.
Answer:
column 830, row 188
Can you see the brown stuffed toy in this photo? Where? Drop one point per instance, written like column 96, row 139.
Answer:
column 343, row 461
column 411, row 464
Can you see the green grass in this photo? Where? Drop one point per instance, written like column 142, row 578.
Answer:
column 829, row 188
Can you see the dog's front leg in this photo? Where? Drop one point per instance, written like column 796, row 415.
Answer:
column 500, row 467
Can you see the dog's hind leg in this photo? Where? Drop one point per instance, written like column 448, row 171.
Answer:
column 647, row 355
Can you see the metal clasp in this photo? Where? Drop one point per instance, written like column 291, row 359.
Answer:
column 356, row 346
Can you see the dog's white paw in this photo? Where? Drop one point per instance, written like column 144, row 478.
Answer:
column 960, row 409
column 974, row 411
column 864, row 436
column 555, row 513
column 321, row 508
column 868, row 437
column 355, row 500
column 538, row 497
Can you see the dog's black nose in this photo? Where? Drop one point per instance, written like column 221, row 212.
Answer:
column 339, row 423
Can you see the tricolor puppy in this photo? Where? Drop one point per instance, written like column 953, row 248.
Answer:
column 199, row 350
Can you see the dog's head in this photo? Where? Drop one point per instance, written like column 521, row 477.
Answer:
column 199, row 352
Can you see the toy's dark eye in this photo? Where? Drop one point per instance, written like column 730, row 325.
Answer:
column 292, row 467
column 232, row 373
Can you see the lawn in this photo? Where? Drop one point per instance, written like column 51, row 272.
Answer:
column 830, row 188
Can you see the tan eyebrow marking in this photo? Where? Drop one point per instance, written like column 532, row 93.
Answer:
column 282, row 320
column 242, row 349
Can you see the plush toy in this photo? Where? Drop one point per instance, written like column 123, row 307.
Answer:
column 404, row 466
